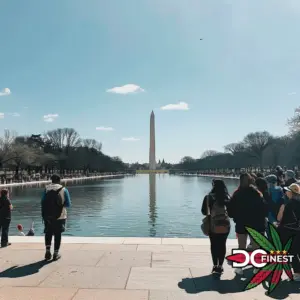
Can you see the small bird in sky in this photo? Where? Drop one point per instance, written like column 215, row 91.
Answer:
column 201, row 39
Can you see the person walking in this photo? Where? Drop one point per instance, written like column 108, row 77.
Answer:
column 214, row 205
column 55, row 200
column 248, row 208
column 289, row 225
column 5, row 216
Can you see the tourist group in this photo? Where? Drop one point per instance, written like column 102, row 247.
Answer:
column 55, row 200
column 257, row 201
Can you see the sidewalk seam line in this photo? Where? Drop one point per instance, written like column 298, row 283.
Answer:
column 74, row 294
column 98, row 261
column 127, row 279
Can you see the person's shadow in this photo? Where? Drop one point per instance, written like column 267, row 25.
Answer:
column 215, row 283
column 211, row 282
column 283, row 290
column 22, row 271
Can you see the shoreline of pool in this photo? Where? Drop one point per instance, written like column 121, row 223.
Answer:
column 62, row 180
column 121, row 240
column 218, row 176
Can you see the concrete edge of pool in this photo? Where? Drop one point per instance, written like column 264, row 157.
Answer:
column 122, row 240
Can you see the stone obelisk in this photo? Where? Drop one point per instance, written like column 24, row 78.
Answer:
column 152, row 161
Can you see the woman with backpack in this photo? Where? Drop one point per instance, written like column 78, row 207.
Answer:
column 289, row 225
column 214, row 206
column 248, row 208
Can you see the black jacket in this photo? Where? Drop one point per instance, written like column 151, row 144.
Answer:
column 247, row 207
column 5, row 212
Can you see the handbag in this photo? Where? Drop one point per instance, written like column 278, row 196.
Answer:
column 206, row 222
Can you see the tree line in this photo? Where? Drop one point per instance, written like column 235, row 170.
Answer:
column 62, row 149
column 257, row 149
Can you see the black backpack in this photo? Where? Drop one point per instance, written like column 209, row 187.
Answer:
column 52, row 205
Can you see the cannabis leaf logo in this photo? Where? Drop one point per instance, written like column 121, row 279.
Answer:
column 272, row 270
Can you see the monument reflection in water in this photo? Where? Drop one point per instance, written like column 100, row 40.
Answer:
column 152, row 204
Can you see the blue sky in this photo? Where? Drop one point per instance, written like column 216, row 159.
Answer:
column 59, row 59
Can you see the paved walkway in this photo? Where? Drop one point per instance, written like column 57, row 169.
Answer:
column 122, row 269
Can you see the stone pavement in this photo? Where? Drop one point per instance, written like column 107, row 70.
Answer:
column 122, row 269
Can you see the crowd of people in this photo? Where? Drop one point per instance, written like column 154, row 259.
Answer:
column 258, row 201
column 54, row 202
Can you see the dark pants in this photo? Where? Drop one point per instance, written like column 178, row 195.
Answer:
column 4, row 225
column 295, row 248
column 54, row 228
column 218, row 247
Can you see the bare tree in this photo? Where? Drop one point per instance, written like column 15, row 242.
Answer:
column 72, row 138
column 235, row 148
column 187, row 159
column 55, row 138
column 63, row 138
column 256, row 143
column 209, row 153
column 294, row 122
column 6, row 144
column 277, row 146
column 92, row 144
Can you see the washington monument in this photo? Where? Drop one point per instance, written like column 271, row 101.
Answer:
column 152, row 161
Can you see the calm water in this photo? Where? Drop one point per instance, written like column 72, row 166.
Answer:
column 142, row 206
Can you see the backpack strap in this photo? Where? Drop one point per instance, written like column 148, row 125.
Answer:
column 59, row 190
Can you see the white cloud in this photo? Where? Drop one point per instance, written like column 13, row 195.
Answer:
column 126, row 89
column 5, row 92
column 1, row 115
column 50, row 118
column 292, row 93
column 130, row 139
column 14, row 114
column 102, row 128
column 178, row 106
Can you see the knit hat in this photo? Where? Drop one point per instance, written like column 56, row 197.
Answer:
column 271, row 179
column 290, row 174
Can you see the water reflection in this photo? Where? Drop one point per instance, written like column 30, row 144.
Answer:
column 152, row 204
column 145, row 205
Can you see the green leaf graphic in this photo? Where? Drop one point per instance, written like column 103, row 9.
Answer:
column 275, row 237
column 288, row 245
column 288, row 271
column 275, row 278
column 261, row 276
column 260, row 239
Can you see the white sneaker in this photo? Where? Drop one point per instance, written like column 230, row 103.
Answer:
column 296, row 277
column 238, row 271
